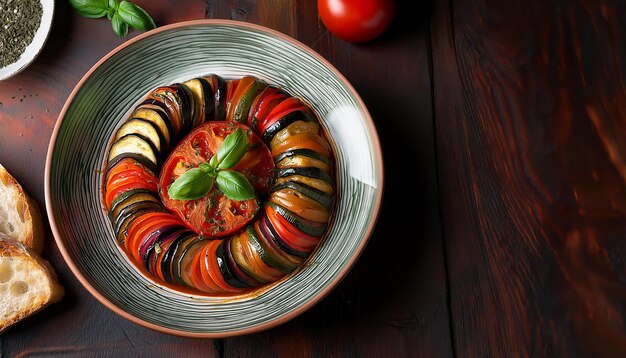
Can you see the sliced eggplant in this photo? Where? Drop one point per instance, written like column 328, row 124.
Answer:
column 301, row 152
column 178, row 258
column 306, row 226
column 137, row 157
column 268, row 230
column 313, row 183
column 311, row 172
column 219, row 95
column 131, row 208
column 172, row 250
column 234, row 268
column 155, row 237
column 204, row 100
column 155, row 111
column 130, row 197
column 187, row 259
column 225, row 270
column 122, row 232
column 179, row 97
column 321, row 197
column 237, row 249
column 133, row 144
column 301, row 124
column 144, row 129
column 291, row 118
column 300, row 161
column 266, row 255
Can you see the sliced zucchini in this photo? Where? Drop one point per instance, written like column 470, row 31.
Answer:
column 145, row 130
column 242, row 107
column 301, row 152
column 321, row 197
column 291, row 118
column 133, row 144
column 306, row 226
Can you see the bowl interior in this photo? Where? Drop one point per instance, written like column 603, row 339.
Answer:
column 35, row 47
column 175, row 53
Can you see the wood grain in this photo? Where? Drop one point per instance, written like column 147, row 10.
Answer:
column 384, row 307
column 31, row 101
column 530, row 105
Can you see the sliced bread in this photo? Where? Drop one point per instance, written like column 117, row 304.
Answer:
column 19, row 214
column 27, row 282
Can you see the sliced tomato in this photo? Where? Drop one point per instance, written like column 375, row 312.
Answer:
column 289, row 233
column 215, row 215
column 214, row 269
column 285, row 107
column 266, row 105
column 120, row 187
column 268, row 91
column 196, row 271
column 204, row 270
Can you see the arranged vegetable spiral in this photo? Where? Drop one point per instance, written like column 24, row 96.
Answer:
column 215, row 245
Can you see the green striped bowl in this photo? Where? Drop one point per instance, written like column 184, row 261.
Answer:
column 99, row 104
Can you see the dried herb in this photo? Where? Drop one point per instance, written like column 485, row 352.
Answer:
column 19, row 21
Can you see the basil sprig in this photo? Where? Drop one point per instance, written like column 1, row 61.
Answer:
column 121, row 13
column 198, row 182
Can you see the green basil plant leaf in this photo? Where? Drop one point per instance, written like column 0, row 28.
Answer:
column 135, row 17
column 232, row 149
column 234, row 185
column 193, row 184
column 90, row 8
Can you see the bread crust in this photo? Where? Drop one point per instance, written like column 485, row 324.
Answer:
column 33, row 237
column 14, row 249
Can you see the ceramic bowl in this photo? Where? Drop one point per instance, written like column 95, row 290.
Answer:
column 35, row 47
column 99, row 104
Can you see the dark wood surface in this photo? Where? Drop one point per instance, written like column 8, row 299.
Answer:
column 502, row 229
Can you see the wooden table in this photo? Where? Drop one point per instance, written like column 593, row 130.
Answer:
column 503, row 229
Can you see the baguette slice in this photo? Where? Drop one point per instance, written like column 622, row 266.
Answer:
column 27, row 283
column 19, row 214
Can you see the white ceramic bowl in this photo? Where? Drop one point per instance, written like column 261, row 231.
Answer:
column 35, row 47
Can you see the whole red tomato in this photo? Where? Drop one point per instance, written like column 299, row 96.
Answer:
column 356, row 20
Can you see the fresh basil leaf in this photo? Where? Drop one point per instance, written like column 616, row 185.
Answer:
column 113, row 4
column 234, row 185
column 208, row 169
column 232, row 149
column 213, row 161
column 120, row 28
column 90, row 8
column 193, row 184
column 135, row 16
